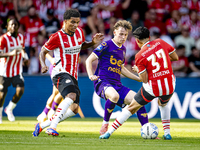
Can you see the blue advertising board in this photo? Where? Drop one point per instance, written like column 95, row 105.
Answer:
column 185, row 103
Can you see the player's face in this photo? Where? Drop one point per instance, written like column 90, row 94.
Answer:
column 120, row 35
column 72, row 24
column 12, row 26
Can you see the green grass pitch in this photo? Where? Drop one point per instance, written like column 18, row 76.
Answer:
column 83, row 134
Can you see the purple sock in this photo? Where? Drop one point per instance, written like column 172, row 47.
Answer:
column 54, row 105
column 109, row 106
column 142, row 115
column 46, row 110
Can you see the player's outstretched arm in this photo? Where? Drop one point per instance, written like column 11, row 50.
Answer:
column 97, row 38
column 128, row 74
column 42, row 60
column 88, row 62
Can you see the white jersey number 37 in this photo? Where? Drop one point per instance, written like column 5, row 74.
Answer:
column 160, row 54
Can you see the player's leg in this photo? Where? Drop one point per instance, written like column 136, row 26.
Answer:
column 141, row 113
column 55, row 104
column 18, row 83
column 165, row 115
column 4, row 83
column 71, row 111
column 43, row 116
column 112, row 97
column 140, row 99
column 68, row 87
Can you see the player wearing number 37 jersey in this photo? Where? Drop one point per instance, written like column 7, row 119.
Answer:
column 153, row 58
column 153, row 65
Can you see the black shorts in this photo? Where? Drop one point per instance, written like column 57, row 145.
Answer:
column 143, row 97
column 65, row 83
column 15, row 81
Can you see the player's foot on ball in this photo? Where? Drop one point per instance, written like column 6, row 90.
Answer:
column 157, row 138
column 104, row 129
column 42, row 117
column 10, row 115
column 167, row 137
column 105, row 136
column 51, row 131
column 38, row 129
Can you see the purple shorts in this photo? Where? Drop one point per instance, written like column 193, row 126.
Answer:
column 100, row 87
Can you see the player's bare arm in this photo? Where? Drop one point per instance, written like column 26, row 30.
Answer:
column 42, row 57
column 173, row 56
column 143, row 76
column 50, row 58
column 12, row 53
column 88, row 62
column 130, row 75
column 97, row 38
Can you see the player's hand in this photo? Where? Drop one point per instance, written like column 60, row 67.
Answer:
column 93, row 77
column 97, row 38
column 44, row 69
column 135, row 68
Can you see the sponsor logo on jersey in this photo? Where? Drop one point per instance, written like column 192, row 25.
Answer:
column 79, row 40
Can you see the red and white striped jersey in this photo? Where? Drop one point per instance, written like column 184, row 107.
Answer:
column 11, row 66
column 154, row 58
column 66, row 49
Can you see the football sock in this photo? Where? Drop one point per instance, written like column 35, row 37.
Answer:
column 54, row 105
column 165, row 117
column 109, row 107
column 62, row 108
column 1, row 110
column 125, row 114
column 46, row 109
column 105, row 122
column 69, row 113
column 142, row 115
column 11, row 106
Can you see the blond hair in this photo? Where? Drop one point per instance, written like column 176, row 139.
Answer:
column 124, row 24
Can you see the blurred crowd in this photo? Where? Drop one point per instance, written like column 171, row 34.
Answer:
column 175, row 21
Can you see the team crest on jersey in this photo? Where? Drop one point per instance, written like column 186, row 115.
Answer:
column 148, row 45
column 68, row 81
column 79, row 40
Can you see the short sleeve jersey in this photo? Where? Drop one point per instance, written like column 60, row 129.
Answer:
column 111, row 58
column 66, row 50
column 154, row 58
column 11, row 66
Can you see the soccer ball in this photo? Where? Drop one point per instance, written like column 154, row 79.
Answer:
column 149, row 131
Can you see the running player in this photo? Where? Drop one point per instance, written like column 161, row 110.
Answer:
column 107, row 82
column 153, row 64
column 11, row 59
column 66, row 44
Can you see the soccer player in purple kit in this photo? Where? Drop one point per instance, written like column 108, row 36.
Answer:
column 107, row 82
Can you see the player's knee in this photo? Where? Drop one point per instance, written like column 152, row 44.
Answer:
column 114, row 98
column 134, row 106
column 72, row 96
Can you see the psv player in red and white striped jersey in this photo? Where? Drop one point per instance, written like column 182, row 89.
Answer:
column 66, row 44
column 153, row 64
column 11, row 57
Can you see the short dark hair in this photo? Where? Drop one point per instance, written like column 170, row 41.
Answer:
column 71, row 13
column 141, row 33
column 180, row 46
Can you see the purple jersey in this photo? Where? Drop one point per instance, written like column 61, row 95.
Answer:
column 110, row 57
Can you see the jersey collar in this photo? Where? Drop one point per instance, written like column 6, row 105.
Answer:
column 145, row 44
column 115, row 43
column 67, row 33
